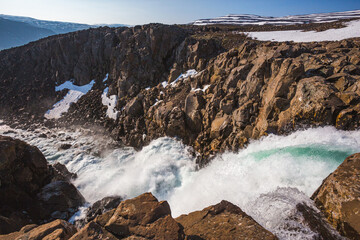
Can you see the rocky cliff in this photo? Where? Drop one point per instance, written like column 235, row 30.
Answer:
column 240, row 89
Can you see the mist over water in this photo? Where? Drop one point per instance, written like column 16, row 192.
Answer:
column 267, row 179
column 301, row 160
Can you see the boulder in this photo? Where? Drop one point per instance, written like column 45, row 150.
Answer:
column 23, row 172
column 102, row 206
column 30, row 190
column 338, row 197
column 61, row 199
column 222, row 221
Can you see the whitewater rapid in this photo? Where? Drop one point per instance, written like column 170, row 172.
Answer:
column 267, row 179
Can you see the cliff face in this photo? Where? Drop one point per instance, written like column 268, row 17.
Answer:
column 242, row 89
column 134, row 57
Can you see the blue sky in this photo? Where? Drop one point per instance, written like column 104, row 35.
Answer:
column 165, row 11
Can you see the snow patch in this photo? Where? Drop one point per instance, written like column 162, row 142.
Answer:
column 110, row 102
column 251, row 19
column 201, row 89
column 157, row 101
column 189, row 73
column 352, row 30
column 74, row 94
column 106, row 77
column 164, row 84
column 71, row 86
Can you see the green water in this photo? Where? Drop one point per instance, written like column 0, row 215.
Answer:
column 301, row 152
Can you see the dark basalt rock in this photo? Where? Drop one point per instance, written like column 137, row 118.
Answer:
column 61, row 173
column 98, row 208
column 102, row 206
column 29, row 191
column 64, row 146
column 60, row 199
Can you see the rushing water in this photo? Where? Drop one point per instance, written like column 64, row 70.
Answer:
column 267, row 179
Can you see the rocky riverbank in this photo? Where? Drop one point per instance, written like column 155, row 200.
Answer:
column 37, row 199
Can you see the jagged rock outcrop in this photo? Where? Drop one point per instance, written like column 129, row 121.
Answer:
column 134, row 58
column 142, row 217
column 339, row 197
column 27, row 192
column 56, row 230
column 222, row 221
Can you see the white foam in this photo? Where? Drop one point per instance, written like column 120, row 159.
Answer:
column 277, row 211
column 158, row 168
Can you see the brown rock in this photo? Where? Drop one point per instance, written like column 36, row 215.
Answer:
column 193, row 103
column 314, row 102
column 222, row 221
column 349, row 119
column 56, row 230
column 93, row 231
column 132, row 217
column 142, row 217
column 218, row 126
column 134, row 108
column 339, row 198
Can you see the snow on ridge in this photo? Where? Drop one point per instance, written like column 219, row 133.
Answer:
column 352, row 30
column 74, row 94
column 246, row 19
column 110, row 102
column 189, row 73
